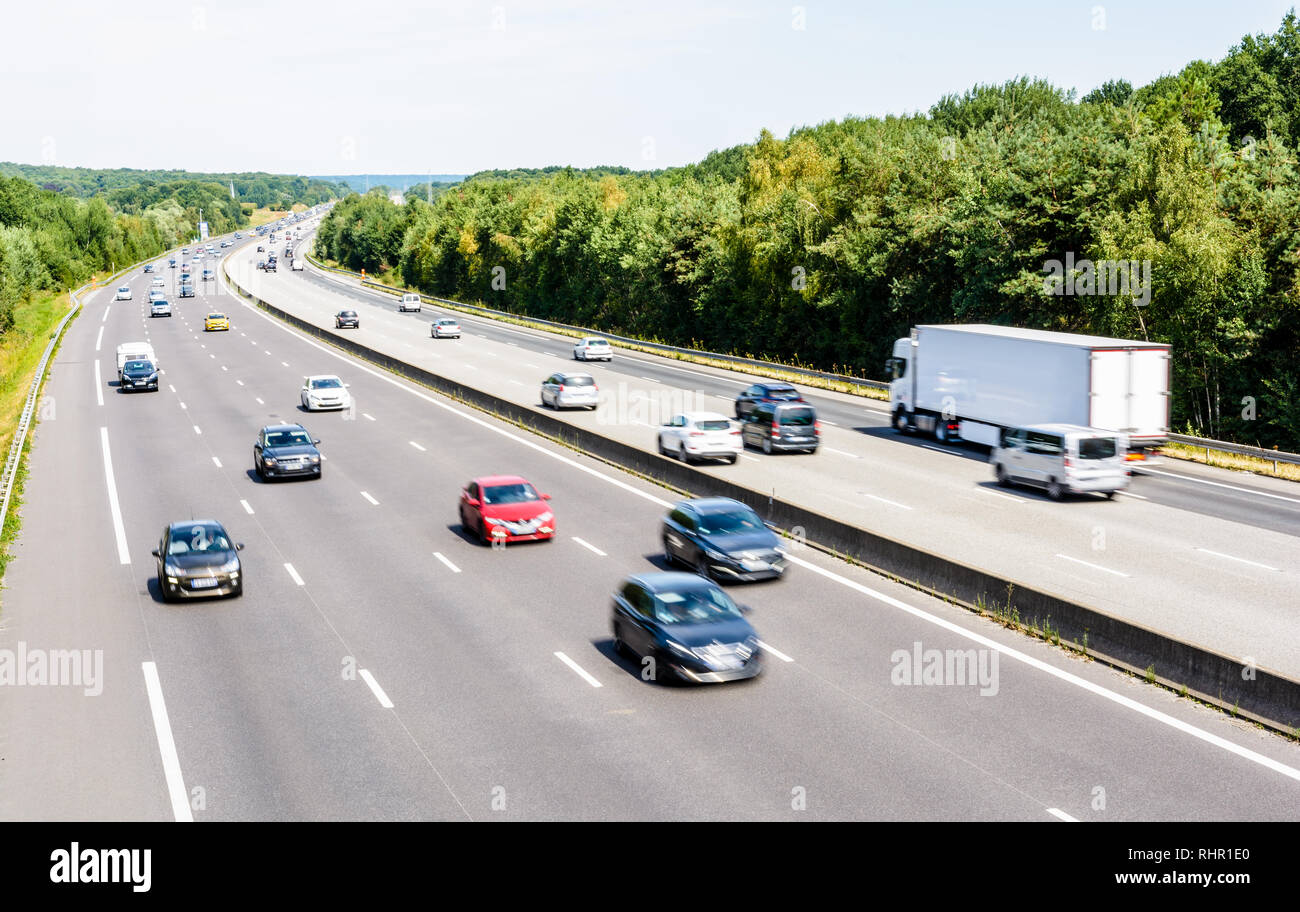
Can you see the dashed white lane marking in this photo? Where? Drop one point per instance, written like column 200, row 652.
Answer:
column 449, row 565
column 115, row 508
column 841, row 452
column 883, row 500
column 367, row 416
column 247, row 508
column 579, row 669
column 197, row 430
column 1093, row 566
column 376, row 689
column 99, row 338
column 1240, row 559
column 216, row 462
column 259, row 400
column 99, row 386
column 369, row 498
column 167, row 746
column 590, row 547
column 417, row 446
column 240, row 382
column 293, row 574
column 1061, row 815
column 1000, row 494
column 1131, row 494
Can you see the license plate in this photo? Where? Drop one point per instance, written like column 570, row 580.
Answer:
column 208, row 583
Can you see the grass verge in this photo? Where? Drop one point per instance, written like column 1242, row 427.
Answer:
column 1252, row 464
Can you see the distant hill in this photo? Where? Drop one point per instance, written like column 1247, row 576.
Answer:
column 363, row 182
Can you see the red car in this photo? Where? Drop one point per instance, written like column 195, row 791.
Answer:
column 505, row 508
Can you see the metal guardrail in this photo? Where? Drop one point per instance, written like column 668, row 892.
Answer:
column 1240, row 449
column 1275, row 456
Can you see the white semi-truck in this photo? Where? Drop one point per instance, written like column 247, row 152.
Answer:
column 972, row 382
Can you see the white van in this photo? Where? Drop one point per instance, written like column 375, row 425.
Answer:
column 134, row 351
column 409, row 302
column 1062, row 458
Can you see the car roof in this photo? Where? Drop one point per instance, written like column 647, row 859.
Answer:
column 491, row 480
column 665, row 580
column 283, row 427
column 217, row 314
column 596, row 339
column 322, row 377
column 705, row 416
column 182, row 523
column 711, row 504
column 575, row 374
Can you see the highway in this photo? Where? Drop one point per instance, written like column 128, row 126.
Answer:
column 1205, row 555
column 382, row 666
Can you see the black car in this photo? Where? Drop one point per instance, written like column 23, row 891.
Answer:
column 270, row 265
column 187, row 290
column 172, row 263
column 196, row 559
column 286, row 451
column 688, row 626
column 750, row 398
column 148, row 267
column 782, row 426
column 347, row 318
column 722, row 539
column 261, row 248
column 139, row 375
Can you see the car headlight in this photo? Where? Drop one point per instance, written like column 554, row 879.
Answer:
column 268, row 460
column 546, row 517
column 315, row 459
column 153, row 376
column 229, row 566
column 681, row 650
column 493, row 522
column 173, row 570
column 716, row 555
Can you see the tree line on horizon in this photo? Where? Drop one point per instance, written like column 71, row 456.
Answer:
column 824, row 247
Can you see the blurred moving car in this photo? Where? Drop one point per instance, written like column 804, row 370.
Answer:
column 700, row 435
column 324, row 391
column 138, row 375
column 1061, row 459
column 722, row 538
column 196, row 559
column 216, row 322
column 688, row 626
column 347, row 319
column 123, row 293
column 505, row 508
column 751, row 397
column 445, row 328
column 593, row 349
column 286, row 450
column 566, row 390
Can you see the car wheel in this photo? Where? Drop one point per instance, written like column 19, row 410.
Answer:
column 261, row 472
column 659, row 440
column 1000, row 474
column 702, row 567
column 682, row 455
column 941, row 432
column 1054, row 489
column 669, row 558
column 731, row 460
column 1110, row 495
column 767, row 445
column 620, row 647
column 162, row 590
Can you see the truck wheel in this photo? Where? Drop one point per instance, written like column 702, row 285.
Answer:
column 901, row 423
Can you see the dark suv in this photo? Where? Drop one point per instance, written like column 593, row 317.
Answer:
column 782, row 426
column 765, row 392
column 284, row 450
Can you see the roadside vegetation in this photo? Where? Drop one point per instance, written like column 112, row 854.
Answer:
column 823, row 247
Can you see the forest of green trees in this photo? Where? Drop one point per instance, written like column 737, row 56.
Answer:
column 58, row 239
column 823, row 247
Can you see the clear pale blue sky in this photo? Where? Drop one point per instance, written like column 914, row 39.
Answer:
column 337, row 86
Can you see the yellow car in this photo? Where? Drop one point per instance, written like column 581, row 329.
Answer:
column 215, row 321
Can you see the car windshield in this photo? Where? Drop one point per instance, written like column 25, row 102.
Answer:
column 138, row 366
column 799, row 417
column 326, row 383
column 509, row 494
column 782, row 392
column 124, row 288
column 348, row 313
column 216, row 316
column 597, row 343
column 730, row 522
column 720, row 424
column 446, row 322
column 288, row 438
column 198, row 539
column 697, row 605
column 579, row 380
column 1097, row 448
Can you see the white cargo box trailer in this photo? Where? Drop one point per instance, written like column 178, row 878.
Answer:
column 974, row 381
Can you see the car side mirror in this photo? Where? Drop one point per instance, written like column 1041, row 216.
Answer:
column 347, row 385
column 316, row 442
column 745, row 609
column 239, row 546
column 473, row 501
column 546, row 497
column 155, row 553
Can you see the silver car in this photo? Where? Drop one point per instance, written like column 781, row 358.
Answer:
column 444, row 329
column 1062, row 458
column 565, row 390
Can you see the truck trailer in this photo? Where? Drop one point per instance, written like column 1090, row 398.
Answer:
column 973, row 382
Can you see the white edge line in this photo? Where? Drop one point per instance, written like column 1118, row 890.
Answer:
column 1061, row 815
column 376, row 689
column 776, row 652
column 167, row 746
column 579, row 669
column 1219, row 484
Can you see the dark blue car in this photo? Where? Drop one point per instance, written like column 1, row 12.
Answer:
column 722, row 539
column 679, row 625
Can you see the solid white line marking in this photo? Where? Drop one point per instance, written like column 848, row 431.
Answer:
column 99, row 338
column 578, row 668
column 167, row 746
column 376, row 689
column 750, row 458
column 1061, row 815
column 1219, row 484
column 1070, row 678
column 882, row 500
column 417, row 446
column 1093, row 566
column 590, row 547
column 99, row 386
column 776, row 652
column 294, row 574
column 1000, row 494
column 841, row 452
column 940, row 449
column 450, row 566
column 368, row 417
column 259, row 400
column 369, row 498
column 196, row 429
column 1131, row 494
column 247, row 507
column 119, row 529
column 1241, row 559
column 216, row 462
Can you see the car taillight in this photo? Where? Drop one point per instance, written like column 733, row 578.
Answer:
column 561, row 387
column 697, row 433
column 736, row 432
column 776, row 431
column 817, row 427
column 1069, row 463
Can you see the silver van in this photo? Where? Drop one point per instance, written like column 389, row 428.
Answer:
column 1062, row 458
